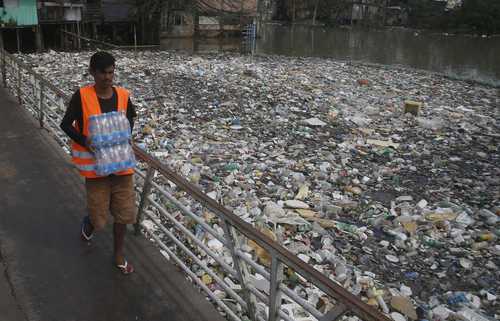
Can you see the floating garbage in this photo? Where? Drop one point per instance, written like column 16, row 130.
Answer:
column 383, row 178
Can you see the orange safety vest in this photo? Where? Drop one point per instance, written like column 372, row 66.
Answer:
column 83, row 159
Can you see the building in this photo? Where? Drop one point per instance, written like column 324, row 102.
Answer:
column 19, row 25
column 206, row 18
column 63, row 22
column 56, row 17
column 110, row 20
column 369, row 12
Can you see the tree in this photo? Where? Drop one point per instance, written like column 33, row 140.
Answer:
column 147, row 17
column 316, row 4
column 480, row 15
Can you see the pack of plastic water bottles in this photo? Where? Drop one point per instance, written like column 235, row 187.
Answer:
column 110, row 136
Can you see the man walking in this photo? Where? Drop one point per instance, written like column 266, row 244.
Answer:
column 105, row 194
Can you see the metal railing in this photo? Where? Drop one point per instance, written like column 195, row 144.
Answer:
column 180, row 217
column 249, row 40
column 80, row 39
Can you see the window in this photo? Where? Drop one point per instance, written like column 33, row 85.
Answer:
column 10, row 3
column 177, row 20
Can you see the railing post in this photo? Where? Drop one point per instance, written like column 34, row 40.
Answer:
column 144, row 196
column 4, row 69
column 241, row 269
column 275, row 291
column 19, row 83
column 40, row 109
column 339, row 310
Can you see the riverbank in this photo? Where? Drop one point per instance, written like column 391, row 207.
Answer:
column 429, row 31
column 319, row 153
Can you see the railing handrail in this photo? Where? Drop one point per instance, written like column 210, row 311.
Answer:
column 360, row 308
column 90, row 40
column 38, row 76
column 277, row 251
column 108, row 43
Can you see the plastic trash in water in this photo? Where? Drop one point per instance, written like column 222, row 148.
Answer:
column 457, row 298
column 411, row 275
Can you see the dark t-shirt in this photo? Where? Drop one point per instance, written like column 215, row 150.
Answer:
column 74, row 114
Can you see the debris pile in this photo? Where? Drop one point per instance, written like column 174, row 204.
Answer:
column 401, row 208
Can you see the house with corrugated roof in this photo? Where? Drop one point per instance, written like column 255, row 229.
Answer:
column 206, row 18
column 18, row 23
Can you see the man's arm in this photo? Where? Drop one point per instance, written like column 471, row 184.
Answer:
column 74, row 114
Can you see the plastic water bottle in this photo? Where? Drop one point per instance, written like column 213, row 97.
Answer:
column 94, row 129
column 119, row 154
column 106, row 124
column 112, row 138
column 114, row 128
column 109, row 163
column 116, row 158
column 98, row 164
column 101, row 131
column 124, row 126
column 92, row 124
column 121, row 157
column 97, row 131
column 106, row 162
column 457, row 298
column 101, row 162
column 110, row 135
column 123, row 134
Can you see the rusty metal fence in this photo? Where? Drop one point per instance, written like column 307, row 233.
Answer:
column 206, row 240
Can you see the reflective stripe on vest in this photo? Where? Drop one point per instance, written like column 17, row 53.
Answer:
column 82, row 157
column 86, row 168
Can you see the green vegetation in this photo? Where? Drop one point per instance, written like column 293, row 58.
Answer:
column 474, row 16
column 482, row 16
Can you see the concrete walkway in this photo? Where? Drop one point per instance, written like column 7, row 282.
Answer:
column 46, row 272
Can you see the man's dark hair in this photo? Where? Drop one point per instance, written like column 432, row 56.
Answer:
column 101, row 60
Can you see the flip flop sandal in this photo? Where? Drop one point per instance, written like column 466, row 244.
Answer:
column 86, row 222
column 126, row 268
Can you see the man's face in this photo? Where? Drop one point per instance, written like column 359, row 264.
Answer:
column 104, row 78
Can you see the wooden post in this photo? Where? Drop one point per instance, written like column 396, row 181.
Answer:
column 18, row 38
column 315, row 12
column 19, row 81
column 78, row 41
column 4, row 69
column 143, row 30
column 135, row 38
column 114, row 33
column 221, row 31
column 258, row 19
column 62, row 36
column 72, row 39
column 41, row 106
column 38, row 38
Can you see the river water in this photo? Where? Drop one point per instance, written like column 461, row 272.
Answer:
column 464, row 57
